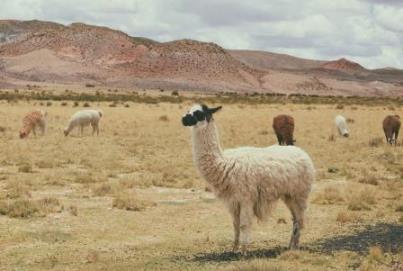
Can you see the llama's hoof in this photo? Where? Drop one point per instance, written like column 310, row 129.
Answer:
column 293, row 247
column 244, row 250
column 235, row 248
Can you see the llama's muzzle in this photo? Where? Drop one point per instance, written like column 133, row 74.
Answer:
column 189, row 120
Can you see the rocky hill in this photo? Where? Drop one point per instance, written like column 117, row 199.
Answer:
column 46, row 52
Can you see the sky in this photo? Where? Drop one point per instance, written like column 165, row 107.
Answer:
column 366, row 31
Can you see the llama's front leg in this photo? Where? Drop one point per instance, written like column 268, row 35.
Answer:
column 34, row 130
column 42, row 126
column 396, row 135
column 81, row 130
column 246, row 217
column 235, row 212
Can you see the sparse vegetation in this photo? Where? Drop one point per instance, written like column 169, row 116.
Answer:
column 348, row 217
column 25, row 208
column 375, row 142
column 362, row 201
column 63, row 191
column 164, row 118
column 130, row 203
column 25, row 168
column 330, row 195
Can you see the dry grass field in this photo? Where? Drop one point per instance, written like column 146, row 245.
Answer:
column 131, row 198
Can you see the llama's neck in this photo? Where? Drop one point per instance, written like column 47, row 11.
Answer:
column 27, row 127
column 207, row 153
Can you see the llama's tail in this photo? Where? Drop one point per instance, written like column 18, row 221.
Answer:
column 262, row 207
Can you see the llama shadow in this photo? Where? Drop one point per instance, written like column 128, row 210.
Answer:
column 388, row 236
column 229, row 256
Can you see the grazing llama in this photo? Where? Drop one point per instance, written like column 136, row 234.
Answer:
column 250, row 180
column 283, row 126
column 341, row 125
column 391, row 126
column 31, row 121
column 82, row 119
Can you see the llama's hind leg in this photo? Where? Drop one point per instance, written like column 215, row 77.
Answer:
column 93, row 128
column 235, row 212
column 279, row 139
column 396, row 135
column 297, row 208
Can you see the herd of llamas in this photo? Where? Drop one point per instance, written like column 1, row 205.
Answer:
column 249, row 180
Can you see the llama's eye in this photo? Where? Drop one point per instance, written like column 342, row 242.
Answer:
column 199, row 115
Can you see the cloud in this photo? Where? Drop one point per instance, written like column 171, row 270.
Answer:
column 368, row 31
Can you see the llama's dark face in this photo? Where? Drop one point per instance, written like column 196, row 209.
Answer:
column 23, row 134
column 199, row 115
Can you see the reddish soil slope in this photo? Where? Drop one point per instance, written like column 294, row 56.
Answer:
column 36, row 51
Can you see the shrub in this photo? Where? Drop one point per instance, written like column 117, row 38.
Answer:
column 164, row 118
column 102, row 190
column 375, row 142
column 73, row 210
column 346, row 217
column 399, row 208
column 89, row 85
column 25, row 168
column 44, row 164
column 130, row 203
column 340, row 106
column 369, row 179
column 19, row 208
column 330, row 195
column 23, row 208
column 175, row 93
column 350, row 120
column 86, row 104
column 362, row 201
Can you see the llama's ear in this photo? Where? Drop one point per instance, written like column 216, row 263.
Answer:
column 214, row 109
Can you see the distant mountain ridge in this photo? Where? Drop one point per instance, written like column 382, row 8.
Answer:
column 47, row 52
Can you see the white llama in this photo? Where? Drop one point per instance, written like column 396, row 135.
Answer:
column 84, row 118
column 341, row 125
column 250, row 180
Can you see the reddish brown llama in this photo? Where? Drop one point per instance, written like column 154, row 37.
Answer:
column 283, row 126
column 391, row 127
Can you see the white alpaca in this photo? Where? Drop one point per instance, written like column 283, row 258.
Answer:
column 84, row 118
column 341, row 125
column 250, row 180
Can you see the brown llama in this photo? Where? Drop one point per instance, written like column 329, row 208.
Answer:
column 283, row 126
column 33, row 120
column 391, row 127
